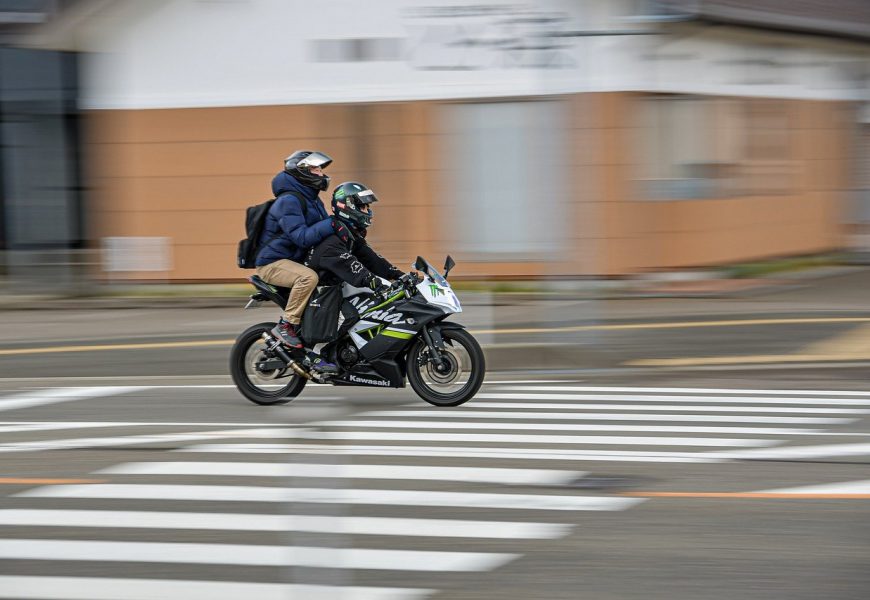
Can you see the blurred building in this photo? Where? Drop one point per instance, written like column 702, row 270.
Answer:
column 528, row 139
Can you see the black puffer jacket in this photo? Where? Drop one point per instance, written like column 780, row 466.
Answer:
column 349, row 258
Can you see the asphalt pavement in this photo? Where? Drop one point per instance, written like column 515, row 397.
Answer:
column 132, row 469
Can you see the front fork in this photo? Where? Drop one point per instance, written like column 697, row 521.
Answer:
column 435, row 343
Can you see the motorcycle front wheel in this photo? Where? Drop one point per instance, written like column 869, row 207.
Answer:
column 256, row 379
column 457, row 379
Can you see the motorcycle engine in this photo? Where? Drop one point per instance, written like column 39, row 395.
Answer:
column 348, row 355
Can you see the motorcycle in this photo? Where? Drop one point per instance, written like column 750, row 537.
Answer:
column 381, row 342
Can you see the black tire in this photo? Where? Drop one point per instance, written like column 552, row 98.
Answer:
column 243, row 357
column 419, row 369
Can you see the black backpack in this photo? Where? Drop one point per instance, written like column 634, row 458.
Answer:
column 255, row 220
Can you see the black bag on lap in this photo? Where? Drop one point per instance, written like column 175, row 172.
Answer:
column 320, row 319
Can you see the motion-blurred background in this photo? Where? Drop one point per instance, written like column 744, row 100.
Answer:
column 532, row 140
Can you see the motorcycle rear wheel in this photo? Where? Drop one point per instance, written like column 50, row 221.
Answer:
column 459, row 380
column 261, row 387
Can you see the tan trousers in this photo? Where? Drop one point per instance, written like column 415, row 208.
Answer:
column 300, row 279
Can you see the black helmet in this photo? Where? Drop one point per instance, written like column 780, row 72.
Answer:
column 350, row 204
column 299, row 166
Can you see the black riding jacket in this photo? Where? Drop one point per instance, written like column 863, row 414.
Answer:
column 349, row 258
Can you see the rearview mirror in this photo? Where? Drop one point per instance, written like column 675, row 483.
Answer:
column 448, row 264
column 420, row 264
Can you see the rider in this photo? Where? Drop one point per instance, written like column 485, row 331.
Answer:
column 289, row 231
column 346, row 254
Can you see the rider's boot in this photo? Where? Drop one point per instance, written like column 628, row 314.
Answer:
column 319, row 365
column 288, row 333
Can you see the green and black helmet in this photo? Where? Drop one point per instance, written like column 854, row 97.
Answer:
column 350, row 204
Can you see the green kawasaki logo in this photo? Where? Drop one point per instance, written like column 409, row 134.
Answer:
column 435, row 289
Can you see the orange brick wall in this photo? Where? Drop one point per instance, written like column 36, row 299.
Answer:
column 188, row 174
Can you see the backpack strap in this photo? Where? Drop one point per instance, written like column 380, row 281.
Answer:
column 302, row 203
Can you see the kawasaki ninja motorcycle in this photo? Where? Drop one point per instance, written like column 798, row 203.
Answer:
column 381, row 341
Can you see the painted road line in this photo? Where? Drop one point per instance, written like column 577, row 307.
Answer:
column 579, row 398
column 99, row 588
column 679, row 325
column 677, row 390
column 255, row 522
column 579, row 407
column 613, row 327
column 796, row 452
column 490, row 438
column 351, row 471
column 111, row 347
column 329, row 496
column 133, row 440
column 591, row 416
column 763, row 359
column 567, row 427
column 45, row 481
column 748, row 495
column 54, row 396
column 843, row 487
column 86, row 424
column 258, row 555
column 498, row 453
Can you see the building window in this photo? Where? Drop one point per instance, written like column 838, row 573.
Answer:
column 696, row 147
column 506, row 179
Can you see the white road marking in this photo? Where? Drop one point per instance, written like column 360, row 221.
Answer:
column 352, row 471
column 592, row 416
column 671, row 390
column 844, row 487
column 98, row 588
column 133, row 440
column 259, row 555
column 691, row 399
column 566, row 427
column 796, row 452
column 455, row 452
column 255, row 522
column 330, row 496
column 581, row 406
column 56, row 395
column 533, row 439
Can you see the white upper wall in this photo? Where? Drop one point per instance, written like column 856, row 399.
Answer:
column 186, row 53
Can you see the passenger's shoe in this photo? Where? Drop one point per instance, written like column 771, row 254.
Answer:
column 317, row 364
column 287, row 333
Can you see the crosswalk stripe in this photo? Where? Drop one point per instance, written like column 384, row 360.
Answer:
column 592, row 416
column 392, row 526
column 54, row 396
column 133, row 440
column 689, row 399
column 355, row 471
column 259, row 555
column 677, row 390
column 329, row 496
column 796, row 452
column 455, row 452
column 581, row 406
column 565, row 427
column 100, row 588
column 533, row 439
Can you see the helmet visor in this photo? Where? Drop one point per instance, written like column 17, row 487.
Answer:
column 315, row 159
column 365, row 197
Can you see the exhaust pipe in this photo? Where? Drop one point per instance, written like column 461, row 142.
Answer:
column 275, row 346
